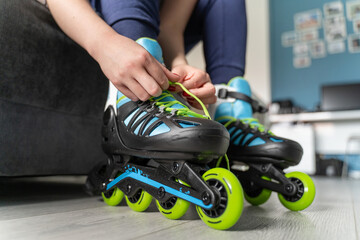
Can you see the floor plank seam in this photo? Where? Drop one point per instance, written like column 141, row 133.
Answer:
column 357, row 231
column 49, row 214
column 160, row 230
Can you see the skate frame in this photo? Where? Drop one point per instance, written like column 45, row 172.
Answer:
column 252, row 179
column 161, row 180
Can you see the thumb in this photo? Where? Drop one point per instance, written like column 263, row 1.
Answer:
column 173, row 77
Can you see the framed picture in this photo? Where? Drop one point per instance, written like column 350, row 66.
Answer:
column 333, row 9
column 336, row 47
column 318, row 49
column 353, row 9
column 309, row 35
column 354, row 43
column 308, row 20
column 356, row 25
column 335, row 28
column 288, row 39
column 301, row 49
column 301, row 61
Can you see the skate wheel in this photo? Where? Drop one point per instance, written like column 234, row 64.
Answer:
column 260, row 196
column 305, row 194
column 174, row 208
column 140, row 201
column 230, row 206
column 113, row 197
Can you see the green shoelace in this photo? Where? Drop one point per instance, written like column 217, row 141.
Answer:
column 185, row 111
column 252, row 122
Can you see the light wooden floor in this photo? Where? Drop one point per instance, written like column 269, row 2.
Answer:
column 57, row 208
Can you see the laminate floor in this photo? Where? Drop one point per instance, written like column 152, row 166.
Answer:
column 58, row 208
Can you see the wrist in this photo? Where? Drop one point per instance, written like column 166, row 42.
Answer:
column 179, row 60
column 95, row 46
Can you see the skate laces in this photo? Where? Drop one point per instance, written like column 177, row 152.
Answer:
column 251, row 122
column 166, row 102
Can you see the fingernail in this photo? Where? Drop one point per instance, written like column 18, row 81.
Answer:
column 176, row 74
column 185, row 94
column 171, row 88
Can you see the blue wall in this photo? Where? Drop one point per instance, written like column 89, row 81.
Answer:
column 303, row 86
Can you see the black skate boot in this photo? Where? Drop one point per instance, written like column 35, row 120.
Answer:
column 160, row 149
column 257, row 156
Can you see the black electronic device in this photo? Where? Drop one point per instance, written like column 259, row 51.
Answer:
column 340, row 97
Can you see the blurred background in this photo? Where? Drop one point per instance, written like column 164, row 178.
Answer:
column 303, row 62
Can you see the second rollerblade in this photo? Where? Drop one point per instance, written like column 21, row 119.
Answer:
column 257, row 156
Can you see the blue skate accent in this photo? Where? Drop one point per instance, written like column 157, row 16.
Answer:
column 122, row 101
column 250, row 135
column 132, row 172
column 276, row 140
column 256, row 141
column 138, row 119
column 237, row 141
column 235, row 134
column 150, row 122
column 231, row 130
column 128, row 118
column 153, row 47
column 238, row 109
column 185, row 124
column 162, row 128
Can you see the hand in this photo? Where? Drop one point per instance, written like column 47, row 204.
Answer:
column 132, row 69
column 198, row 83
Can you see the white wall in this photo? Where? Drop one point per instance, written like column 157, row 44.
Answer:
column 258, row 49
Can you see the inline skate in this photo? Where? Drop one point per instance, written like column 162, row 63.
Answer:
column 258, row 157
column 161, row 149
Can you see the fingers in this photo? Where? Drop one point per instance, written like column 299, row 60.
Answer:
column 205, row 91
column 206, row 101
column 206, row 94
column 155, row 70
column 197, row 80
column 150, row 85
column 135, row 87
column 173, row 77
column 124, row 90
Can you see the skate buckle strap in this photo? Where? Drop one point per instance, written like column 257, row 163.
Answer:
column 223, row 93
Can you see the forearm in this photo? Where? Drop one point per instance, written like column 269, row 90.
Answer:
column 174, row 17
column 173, row 48
column 80, row 22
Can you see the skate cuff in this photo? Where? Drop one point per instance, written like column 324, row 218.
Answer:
column 223, row 93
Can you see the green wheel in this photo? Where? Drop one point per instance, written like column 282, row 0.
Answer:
column 230, row 206
column 174, row 208
column 259, row 196
column 140, row 201
column 305, row 195
column 113, row 197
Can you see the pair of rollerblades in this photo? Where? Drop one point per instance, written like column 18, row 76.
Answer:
column 161, row 149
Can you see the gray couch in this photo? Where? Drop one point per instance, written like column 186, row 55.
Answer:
column 52, row 95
